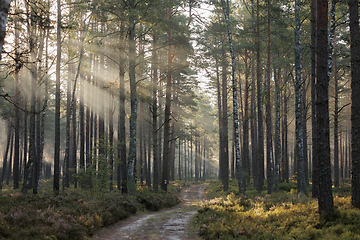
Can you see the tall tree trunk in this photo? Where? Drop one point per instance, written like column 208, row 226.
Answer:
column 88, row 137
column 331, row 66
column 355, row 99
column 16, row 108
column 73, row 156
column 72, row 108
column 219, row 103
column 235, row 99
column 133, row 96
column 315, row 175
column 31, row 165
column 254, row 140
column 166, row 146
column 224, row 160
column 141, row 142
column 56, row 186
column 122, row 166
column 154, row 66
column 82, row 131
column 305, row 137
column 277, row 131
column 285, row 156
column 325, row 199
column 245, row 151
column 269, row 144
column 260, row 160
column 301, row 186
column 111, row 140
column 336, row 127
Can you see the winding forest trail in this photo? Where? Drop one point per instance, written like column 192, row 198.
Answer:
column 171, row 224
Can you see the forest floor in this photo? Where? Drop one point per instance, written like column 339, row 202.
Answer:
column 172, row 223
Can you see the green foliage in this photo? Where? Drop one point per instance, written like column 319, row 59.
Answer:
column 73, row 214
column 282, row 215
column 95, row 177
column 97, row 174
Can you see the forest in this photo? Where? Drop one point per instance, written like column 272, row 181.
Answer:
column 111, row 107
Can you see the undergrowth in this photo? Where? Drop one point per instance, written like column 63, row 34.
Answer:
column 282, row 215
column 74, row 213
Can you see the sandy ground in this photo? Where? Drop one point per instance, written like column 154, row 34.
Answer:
column 171, row 224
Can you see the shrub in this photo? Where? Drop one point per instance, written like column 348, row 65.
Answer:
column 73, row 214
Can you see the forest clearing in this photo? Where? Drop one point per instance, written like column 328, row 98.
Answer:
column 114, row 107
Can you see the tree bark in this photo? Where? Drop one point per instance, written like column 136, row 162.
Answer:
column 260, row 160
column 325, row 199
column 355, row 99
column 277, row 131
column 154, row 66
column 315, row 175
column 133, row 96
column 235, row 99
column 301, row 186
column 224, row 160
column 122, row 165
column 269, row 144
column 4, row 10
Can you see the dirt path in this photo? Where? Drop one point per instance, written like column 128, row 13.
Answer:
column 166, row 224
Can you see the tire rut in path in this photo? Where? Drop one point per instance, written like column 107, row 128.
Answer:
column 168, row 224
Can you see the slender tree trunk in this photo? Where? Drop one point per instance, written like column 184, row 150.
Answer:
column 154, row 66
column 73, row 156
column 111, row 140
column 355, row 99
column 260, row 160
column 82, row 126
column 224, row 160
column 72, row 108
column 219, row 103
column 336, row 127
column 56, row 186
column 305, row 137
column 269, row 144
column 88, row 137
column 254, row 140
column 277, row 131
column 133, row 116
column 285, row 155
column 332, row 65
column 301, row 186
column 16, row 108
column 235, row 99
column 122, row 166
column 315, row 175
column 141, row 142
column 246, row 152
column 166, row 146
